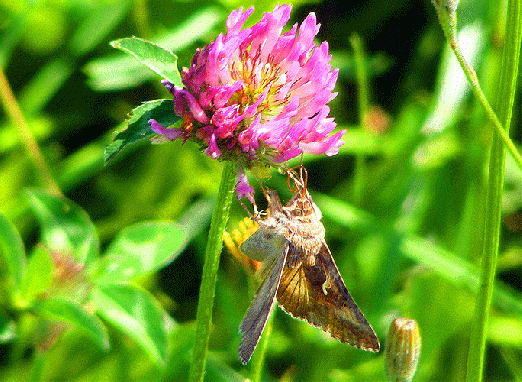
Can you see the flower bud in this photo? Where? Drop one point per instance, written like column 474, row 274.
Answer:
column 403, row 348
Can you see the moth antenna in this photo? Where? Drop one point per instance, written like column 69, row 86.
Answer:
column 289, row 175
column 303, row 179
column 301, row 182
column 304, row 182
column 292, row 175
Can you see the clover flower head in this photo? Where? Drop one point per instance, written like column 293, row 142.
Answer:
column 258, row 94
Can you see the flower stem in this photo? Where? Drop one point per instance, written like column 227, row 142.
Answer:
column 210, row 268
column 15, row 114
column 503, row 108
column 363, row 98
column 448, row 21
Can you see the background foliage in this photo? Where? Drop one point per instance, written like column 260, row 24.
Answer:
column 402, row 202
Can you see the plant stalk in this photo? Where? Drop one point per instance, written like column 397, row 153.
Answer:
column 503, row 108
column 363, row 106
column 15, row 114
column 448, row 20
column 210, row 268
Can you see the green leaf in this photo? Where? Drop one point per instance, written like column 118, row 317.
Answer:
column 157, row 59
column 141, row 249
column 135, row 312
column 122, row 71
column 428, row 295
column 74, row 313
column 66, row 228
column 39, row 275
column 505, row 330
column 12, row 248
column 457, row 270
column 161, row 110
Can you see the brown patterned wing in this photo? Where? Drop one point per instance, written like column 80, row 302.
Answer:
column 317, row 294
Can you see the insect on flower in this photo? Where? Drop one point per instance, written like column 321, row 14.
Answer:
column 300, row 271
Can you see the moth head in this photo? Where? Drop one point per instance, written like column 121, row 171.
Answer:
column 302, row 203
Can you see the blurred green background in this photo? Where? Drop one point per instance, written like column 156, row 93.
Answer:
column 402, row 202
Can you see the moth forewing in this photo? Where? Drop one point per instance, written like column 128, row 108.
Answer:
column 274, row 247
column 263, row 244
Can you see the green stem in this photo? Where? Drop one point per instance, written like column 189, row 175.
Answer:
column 140, row 12
column 504, row 136
column 15, row 114
column 503, row 108
column 449, row 25
column 361, row 74
column 477, row 345
column 210, row 268
column 363, row 103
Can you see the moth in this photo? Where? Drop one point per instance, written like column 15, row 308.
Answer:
column 299, row 270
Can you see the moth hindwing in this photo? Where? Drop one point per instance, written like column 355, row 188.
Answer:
column 299, row 270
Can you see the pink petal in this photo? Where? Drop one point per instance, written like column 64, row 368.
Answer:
column 243, row 188
column 213, row 150
column 170, row 134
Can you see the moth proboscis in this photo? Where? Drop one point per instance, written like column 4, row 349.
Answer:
column 300, row 271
